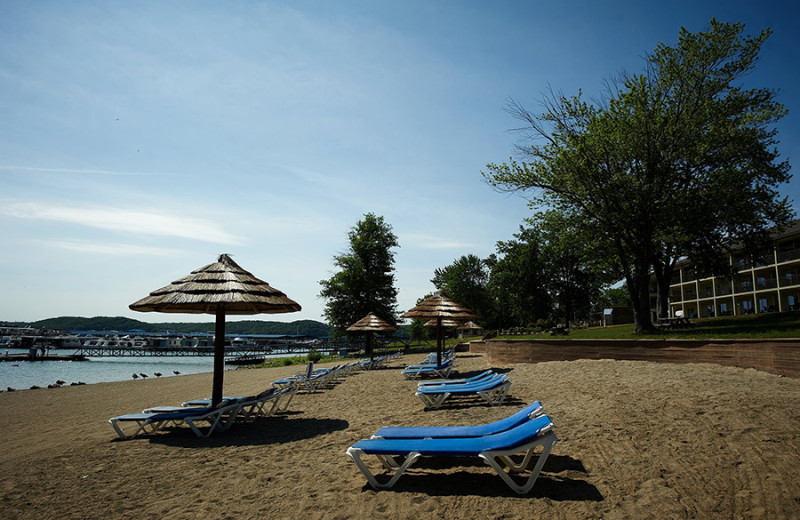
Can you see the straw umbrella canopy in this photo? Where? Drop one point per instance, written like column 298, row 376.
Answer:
column 220, row 288
column 445, row 323
column 439, row 307
column 371, row 324
column 470, row 325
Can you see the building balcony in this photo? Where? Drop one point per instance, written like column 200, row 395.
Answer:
column 787, row 256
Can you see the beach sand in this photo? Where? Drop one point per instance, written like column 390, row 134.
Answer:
column 637, row 440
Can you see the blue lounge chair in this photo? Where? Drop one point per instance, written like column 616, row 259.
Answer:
column 496, row 450
column 445, row 432
column 218, row 417
column 295, row 379
column 250, row 407
column 484, row 375
column 311, row 379
column 417, row 371
column 494, row 390
column 256, row 405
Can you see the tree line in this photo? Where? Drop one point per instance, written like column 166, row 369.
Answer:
column 119, row 323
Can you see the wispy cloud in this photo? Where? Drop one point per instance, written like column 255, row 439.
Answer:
column 131, row 221
column 112, row 249
column 432, row 242
column 86, row 171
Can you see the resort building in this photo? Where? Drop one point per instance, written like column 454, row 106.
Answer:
column 768, row 282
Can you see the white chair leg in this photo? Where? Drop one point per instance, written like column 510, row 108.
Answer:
column 433, row 401
column 284, row 400
column 355, row 454
column 496, row 396
column 494, row 459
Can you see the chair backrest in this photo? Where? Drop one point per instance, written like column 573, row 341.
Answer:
column 310, row 369
column 266, row 393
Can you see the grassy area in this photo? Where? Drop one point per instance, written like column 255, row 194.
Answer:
column 757, row 326
column 296, row 360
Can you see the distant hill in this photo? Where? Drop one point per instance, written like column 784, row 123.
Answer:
column 301, row 327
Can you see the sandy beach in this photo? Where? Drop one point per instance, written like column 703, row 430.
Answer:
column 637, row 440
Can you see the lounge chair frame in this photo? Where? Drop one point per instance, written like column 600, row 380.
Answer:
column 498, row 460
column 249, row 407
column 416, row 372
column 219, row 418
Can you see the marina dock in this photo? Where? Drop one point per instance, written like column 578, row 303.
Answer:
column 38, row 356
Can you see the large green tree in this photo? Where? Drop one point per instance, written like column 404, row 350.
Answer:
column 465, row 281
column 577, row 268
column 364, row 281
column 518, row 280
column 680, row 160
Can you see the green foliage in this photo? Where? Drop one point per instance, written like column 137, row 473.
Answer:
column 518, row 281
column 576, row 264
column 614, row 297
column 465, row 281
column 680, row 160
column 419, row 332
column 544, row 324
column 364, row 281
column 95, row 323
column 314, row 356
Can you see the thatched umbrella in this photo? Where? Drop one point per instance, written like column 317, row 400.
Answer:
column 439, row 307
column 445, row 323
column 220, row 288
column 371, row 324
column 470, row 325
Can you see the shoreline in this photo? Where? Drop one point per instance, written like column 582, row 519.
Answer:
column 23, row 374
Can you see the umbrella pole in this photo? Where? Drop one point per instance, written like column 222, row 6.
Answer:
column 370, row 345
column 219, row 356
column 439, row 341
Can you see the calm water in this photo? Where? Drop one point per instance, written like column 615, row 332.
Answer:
column 97, row 370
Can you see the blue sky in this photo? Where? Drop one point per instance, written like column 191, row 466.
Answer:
column 141, row 139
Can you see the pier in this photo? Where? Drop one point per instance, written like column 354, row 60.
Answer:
column 41, row 357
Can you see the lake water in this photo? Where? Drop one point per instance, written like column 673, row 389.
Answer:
column 24, row 374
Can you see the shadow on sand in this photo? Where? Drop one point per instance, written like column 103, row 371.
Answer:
column 463, row 402
column 263, row 431
column 426, row 477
